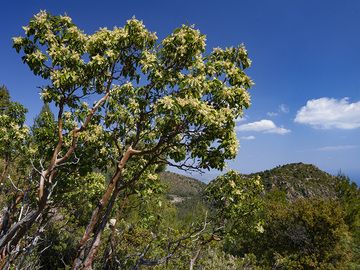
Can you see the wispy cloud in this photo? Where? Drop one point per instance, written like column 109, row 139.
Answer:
column 272, row 114
column 283, row 108
column 330, row 113
column 264, row 126
column 248, row 138
column 337, row 147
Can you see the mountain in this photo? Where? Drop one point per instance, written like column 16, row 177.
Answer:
column 299, row 180
column 296, row 180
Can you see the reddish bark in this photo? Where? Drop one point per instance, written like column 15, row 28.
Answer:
column 83, row 260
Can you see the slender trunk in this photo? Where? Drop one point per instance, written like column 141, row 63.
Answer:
column 85, row 258
column 97, row 237
column 92, row 252
column 110, row 251
column 109, row 195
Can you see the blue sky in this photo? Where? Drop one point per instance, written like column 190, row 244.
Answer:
column 306, row 54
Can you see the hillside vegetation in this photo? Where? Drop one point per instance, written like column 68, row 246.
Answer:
column 181, row 185
column 295, row 180
column 300, row 180
column 311, row 219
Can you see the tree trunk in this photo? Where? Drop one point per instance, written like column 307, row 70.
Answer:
column 83, row 259
column 12, row 237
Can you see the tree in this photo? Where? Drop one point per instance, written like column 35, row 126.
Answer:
column 238, row 205
column 13, row 132
column 305, row 234
column 14, row 137
column 43, row 133
column 348, row 194
column 158, row 103
column 4, row 98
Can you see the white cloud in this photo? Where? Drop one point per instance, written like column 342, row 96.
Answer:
column 264, row 126
column 247, row 138
column 329, row 113
column 337, row 147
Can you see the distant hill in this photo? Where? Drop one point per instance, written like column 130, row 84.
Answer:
column 299, row 180
column 186, row 195
column 296, row 180
column 180, row 187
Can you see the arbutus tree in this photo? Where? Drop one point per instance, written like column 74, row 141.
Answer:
column 156, row 103
column 14, row 135
column 13, row 132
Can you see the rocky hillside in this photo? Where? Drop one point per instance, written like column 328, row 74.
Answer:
column 296, row 180
column 299, row 180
